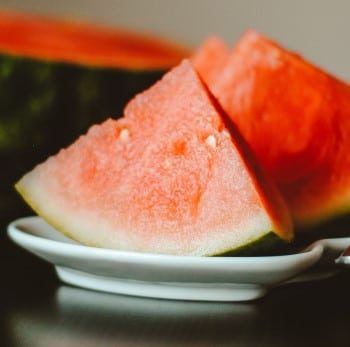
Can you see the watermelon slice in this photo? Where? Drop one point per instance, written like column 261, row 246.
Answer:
column 170, row 177
column 294, row 116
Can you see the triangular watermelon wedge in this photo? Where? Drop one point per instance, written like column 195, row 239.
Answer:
column 169, row 178
column 295, row 117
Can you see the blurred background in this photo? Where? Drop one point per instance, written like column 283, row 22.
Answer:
column 318, row 29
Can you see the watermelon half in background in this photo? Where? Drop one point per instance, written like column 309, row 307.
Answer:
column 59, row 77
column 295, row 117
column 172, row 177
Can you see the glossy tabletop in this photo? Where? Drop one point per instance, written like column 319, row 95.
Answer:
column 38, row 310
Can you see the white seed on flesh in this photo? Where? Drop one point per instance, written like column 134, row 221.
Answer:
column 211, row 141
column 124, row 135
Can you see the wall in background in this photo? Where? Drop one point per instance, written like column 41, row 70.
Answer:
column 318, row 29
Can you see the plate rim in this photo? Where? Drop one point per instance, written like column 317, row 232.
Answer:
column 260, row 273
column 16, row 234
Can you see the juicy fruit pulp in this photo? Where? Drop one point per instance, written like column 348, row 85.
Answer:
column 294, row 116
column 169, row 177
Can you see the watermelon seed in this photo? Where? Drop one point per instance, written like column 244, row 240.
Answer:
column 124, row 135
column 211, row 141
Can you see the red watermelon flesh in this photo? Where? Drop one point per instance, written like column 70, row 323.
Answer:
column 167, row 178
column 295, row 117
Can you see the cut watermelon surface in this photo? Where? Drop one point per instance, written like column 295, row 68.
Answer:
column 169, row 177
column 294, row 116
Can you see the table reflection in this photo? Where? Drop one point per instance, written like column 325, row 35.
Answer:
column 299, row 314
column 78, row 317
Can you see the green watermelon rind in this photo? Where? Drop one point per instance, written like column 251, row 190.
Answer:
column 39, row 95
column 268, row 244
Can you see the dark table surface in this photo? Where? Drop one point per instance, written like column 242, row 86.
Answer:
column 38, row 310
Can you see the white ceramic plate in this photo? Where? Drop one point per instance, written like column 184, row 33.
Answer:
column 172, row 277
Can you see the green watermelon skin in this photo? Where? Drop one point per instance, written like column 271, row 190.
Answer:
column 45, row 105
